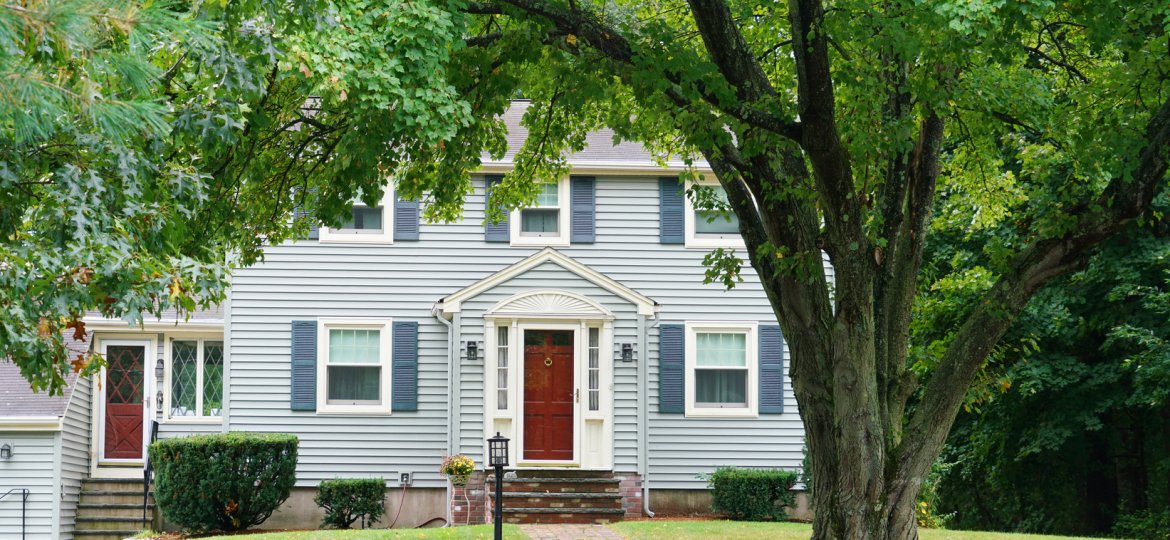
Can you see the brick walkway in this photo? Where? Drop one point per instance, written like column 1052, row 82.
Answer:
column 569, row 532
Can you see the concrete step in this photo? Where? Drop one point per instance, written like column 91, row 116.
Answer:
column 105, row 535
column 576, row 501
column 108, row 496
column 100, row 523
column 111, row 483
column 131, row 511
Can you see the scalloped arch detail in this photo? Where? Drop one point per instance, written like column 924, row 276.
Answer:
column 549, row 304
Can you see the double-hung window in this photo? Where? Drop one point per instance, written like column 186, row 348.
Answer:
column 721, row 369
column 546, row 222
column 714, row 225
column 196, row 378
column 353, row 363
column 365, row 224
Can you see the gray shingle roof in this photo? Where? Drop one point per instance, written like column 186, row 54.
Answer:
column 600, row 149
column 17, row 399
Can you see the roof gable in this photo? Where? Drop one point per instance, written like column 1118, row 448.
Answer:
column 451, row 303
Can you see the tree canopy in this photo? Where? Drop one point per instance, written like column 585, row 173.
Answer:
column 147, row 142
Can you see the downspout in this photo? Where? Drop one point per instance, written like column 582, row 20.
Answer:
column 643, row 415
column 450, row 399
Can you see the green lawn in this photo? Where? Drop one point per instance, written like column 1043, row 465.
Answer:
column 474, row 532
column 738, row 530
column 634, row 530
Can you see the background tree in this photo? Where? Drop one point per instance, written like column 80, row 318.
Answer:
column 827, row 125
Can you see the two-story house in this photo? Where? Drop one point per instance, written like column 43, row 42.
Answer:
column 579, row 328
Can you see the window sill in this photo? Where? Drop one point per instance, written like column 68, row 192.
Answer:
column 333, row 410
column 540, row 241
column 710, row 243
column 721, row 413
column 194, row 420
column 351, row 238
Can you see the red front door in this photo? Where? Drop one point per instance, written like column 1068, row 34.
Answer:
column 548, row 395
column 124, row 410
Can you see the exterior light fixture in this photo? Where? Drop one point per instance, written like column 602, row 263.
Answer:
column 6, row 451
column 498, row 458
column 627, row 352
column 159, row 369
column 472, row 351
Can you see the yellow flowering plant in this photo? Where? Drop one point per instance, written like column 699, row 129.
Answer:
column 457, row 466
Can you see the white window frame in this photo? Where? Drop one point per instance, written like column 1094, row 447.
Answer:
column 385, row 355
column 326, row 235
column 753, row 367
column 168, row 390
column 705, row 242
column 563, row 222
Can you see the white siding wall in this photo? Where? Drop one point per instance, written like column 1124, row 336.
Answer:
column 31, row 467
column 75, row 450
column 308, row 280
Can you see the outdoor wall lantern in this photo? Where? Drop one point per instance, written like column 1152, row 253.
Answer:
column 6, row 452
column 472, row 351
column 498, row 458
column 159, row 369
column 627, row 352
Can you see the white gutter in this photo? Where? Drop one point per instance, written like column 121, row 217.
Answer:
column 153, row 326
column 31, row 423
column 450, row 399
column 625, row 168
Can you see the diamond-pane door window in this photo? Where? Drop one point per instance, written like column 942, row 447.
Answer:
column 124, row 375
column 212, row 378
column 184, row 377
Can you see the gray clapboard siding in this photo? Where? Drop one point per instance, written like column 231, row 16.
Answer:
column 75, row 444
column 308, row 280
column 31, row 466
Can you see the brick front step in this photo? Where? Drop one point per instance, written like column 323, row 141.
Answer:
column 562, row 500
column 559, row 485
column 562, row 515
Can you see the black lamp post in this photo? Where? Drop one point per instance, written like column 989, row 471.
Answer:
column 498, row 458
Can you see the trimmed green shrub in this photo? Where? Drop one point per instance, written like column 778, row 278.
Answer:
column 347, row 500
column 223, row 482
column 752, row 494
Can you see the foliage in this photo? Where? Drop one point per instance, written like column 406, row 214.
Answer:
column 1080, row 381
column 223, row 482
column 927, row 510
column 1144, row 525
column 472, row 532
column 752, row 494
column 346, row 500
column 457, row 465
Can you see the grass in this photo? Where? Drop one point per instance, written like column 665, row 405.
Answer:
column 742, row 530
column 474, row 532
column 633, row 530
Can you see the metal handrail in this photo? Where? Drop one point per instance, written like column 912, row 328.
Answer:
column 24, row 493
column 148, row 472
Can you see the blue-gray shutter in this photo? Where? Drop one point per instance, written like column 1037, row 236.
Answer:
column 771, row 370
column 303, row 383
column 405, row 219
column 404, row 367
column 670, row 369
column 583, row 205
column 494, row 232
column 671, row 198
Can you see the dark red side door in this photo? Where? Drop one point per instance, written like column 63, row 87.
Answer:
column 124, row 411
column 548, row 395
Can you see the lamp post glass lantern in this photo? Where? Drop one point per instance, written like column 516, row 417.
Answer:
column 498, row 458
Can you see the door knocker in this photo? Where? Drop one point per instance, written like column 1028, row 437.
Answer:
column 548, row 362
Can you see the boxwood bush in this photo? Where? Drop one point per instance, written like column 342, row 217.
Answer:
column 346, row 500
column 752, row 494
column 223, row 482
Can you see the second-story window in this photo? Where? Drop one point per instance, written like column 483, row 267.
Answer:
column 710, row 227
column 365, row 224
column 546, row 222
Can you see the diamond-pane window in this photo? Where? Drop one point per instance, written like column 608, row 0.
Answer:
column 184, row 377
column 196, row 378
